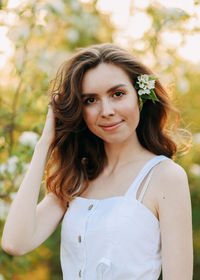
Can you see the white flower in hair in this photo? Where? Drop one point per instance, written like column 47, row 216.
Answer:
column 145, row 85
column 143, row 91
column 143, row 78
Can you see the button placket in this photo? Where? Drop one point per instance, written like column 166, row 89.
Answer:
column 82, row 237
column 80, row 271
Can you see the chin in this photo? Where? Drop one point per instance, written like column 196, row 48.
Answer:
column 116, row 139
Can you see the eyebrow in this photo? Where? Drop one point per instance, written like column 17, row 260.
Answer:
column 108, row 91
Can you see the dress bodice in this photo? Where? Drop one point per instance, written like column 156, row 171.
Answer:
column 113, row 238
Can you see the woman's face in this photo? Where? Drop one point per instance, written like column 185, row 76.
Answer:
column 110, row 103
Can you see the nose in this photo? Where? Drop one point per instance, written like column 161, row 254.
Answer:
column 107, row 108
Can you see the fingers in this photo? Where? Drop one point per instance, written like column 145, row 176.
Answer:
column 56, row 97
column 53, row 97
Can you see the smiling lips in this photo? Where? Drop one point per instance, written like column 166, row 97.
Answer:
column 111, row 126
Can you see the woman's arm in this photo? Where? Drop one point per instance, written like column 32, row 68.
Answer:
column 29, row 224
column 174, row 206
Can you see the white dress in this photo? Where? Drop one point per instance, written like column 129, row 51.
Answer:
column 116, row 238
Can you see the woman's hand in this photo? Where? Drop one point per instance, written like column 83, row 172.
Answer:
column 48, row 134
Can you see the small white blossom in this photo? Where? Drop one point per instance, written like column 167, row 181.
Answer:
column 75, row 5
column 9, row 166
column 72, row 35
column 13, row 4
column 196, row 138
column 145, row 83
column 143, row 78
column 28, row 138
column 12, row 195
column 151, row 84
column 41, row 17
column 12, row 164
column 58, row 6
column 4, row 207
column 143, row 91
column 3, row 168
column 195, row 169
column 142, row 85
column 19, row 32
column 183, row 85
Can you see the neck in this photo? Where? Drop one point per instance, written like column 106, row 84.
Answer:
column 119, row 154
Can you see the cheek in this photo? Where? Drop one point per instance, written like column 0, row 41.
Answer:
column 137, row 117
column 133, row 114
column 89, row 115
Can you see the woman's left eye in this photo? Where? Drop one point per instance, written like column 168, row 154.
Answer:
column 118, row 93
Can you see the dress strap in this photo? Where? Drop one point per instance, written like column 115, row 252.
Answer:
column 146, row 184
column 146, row 170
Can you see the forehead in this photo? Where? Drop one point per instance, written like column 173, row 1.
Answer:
column 104, row 76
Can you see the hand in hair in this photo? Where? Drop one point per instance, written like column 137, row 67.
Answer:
column 48, row 134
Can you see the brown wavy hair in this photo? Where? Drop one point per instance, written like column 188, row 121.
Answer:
column 77, row 154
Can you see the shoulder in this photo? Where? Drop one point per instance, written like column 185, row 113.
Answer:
column 171, row 183
column 170, row 172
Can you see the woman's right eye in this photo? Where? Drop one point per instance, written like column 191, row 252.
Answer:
column 89, row 100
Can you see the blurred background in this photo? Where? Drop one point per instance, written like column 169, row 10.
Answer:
column 37, row 36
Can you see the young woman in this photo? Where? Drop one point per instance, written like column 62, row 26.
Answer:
column 123, row 202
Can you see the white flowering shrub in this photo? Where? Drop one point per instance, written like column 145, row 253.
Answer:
column 196, row 138
column 29, row 138
column 4, row 207
column 195, row 169
column 9, row 166
column 12, row 164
